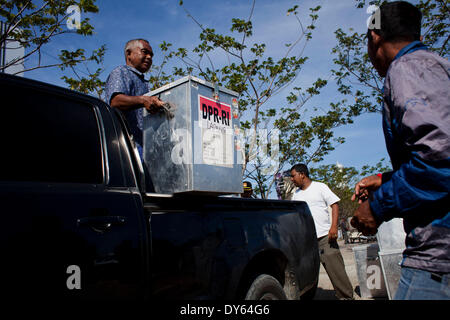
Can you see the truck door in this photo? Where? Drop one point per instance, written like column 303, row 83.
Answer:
column 65, row 231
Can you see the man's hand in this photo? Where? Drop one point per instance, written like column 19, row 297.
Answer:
column 363, row 220
column 365, row 186
column 152, row 104
column 333, row 234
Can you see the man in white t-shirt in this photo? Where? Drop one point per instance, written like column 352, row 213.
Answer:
column 319, row 197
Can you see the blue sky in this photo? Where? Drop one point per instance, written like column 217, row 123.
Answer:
column 164, row 20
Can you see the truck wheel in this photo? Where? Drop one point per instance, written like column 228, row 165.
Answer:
column 265, row 287
column 311, row 293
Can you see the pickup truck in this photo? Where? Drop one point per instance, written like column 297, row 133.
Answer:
column 77, row 222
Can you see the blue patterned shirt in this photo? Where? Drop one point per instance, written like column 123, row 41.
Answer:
column 131, row 82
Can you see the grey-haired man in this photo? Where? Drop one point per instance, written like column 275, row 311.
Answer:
column 126, row 86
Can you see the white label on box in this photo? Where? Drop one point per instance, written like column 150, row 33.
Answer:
column 216, row 132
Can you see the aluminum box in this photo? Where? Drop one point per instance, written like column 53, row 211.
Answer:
column 391, row 239
column 391, row 235
column 390, row 264
column 368, row 269
column 198, row 150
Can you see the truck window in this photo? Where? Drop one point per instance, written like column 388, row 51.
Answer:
column 48, row 138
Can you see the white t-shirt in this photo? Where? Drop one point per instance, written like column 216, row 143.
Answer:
column 318, row 197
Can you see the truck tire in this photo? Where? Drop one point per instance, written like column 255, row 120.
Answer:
column 265, row 287
column 311, row 293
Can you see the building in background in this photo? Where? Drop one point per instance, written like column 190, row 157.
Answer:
column 10, row 51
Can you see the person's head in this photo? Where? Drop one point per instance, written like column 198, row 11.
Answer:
column 399, row 24
column 139, row 54
column 248, row 190
column 299, row 174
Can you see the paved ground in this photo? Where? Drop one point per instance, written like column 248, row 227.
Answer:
column 325, row 290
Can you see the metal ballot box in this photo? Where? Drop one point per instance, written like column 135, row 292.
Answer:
column 391, row 239
column 368, row 269
column 195, row 147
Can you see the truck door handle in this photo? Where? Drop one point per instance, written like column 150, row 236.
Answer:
column 101, row 223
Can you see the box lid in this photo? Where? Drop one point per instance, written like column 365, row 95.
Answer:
column 194, row 79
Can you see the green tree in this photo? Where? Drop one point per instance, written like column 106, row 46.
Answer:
column 86, row 81
column 290, row 132
column 33, row 24
column 357, row 81
column 356, row 78
column 341, row 180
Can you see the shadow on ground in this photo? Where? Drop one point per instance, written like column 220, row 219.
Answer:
column 324, row 294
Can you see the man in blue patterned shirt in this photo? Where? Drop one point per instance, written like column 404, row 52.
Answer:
column 126, row 86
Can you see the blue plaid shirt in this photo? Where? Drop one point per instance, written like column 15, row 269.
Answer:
column 131, row 82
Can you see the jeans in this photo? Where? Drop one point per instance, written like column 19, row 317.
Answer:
column 418, row 284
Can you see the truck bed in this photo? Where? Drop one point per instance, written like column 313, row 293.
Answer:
column 198, row 238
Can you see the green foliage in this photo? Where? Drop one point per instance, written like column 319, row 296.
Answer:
column 341, row 180
column 88, row 82
column 355, row 76
column 159, row 77
column 257, row 78
column 358, row 81
column 435, row 23
column 355, row 72
column 35, row 23
column 304, row 135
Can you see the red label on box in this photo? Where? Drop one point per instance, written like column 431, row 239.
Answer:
column 215, row 111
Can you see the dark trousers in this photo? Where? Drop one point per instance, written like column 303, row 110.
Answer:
column 332, row 261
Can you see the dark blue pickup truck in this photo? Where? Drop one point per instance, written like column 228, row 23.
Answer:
column 76, row 222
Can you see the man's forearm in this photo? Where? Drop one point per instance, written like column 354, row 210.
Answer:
column 124, row 102
column 333, row 233
column 422, row 183
column 334, row 214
